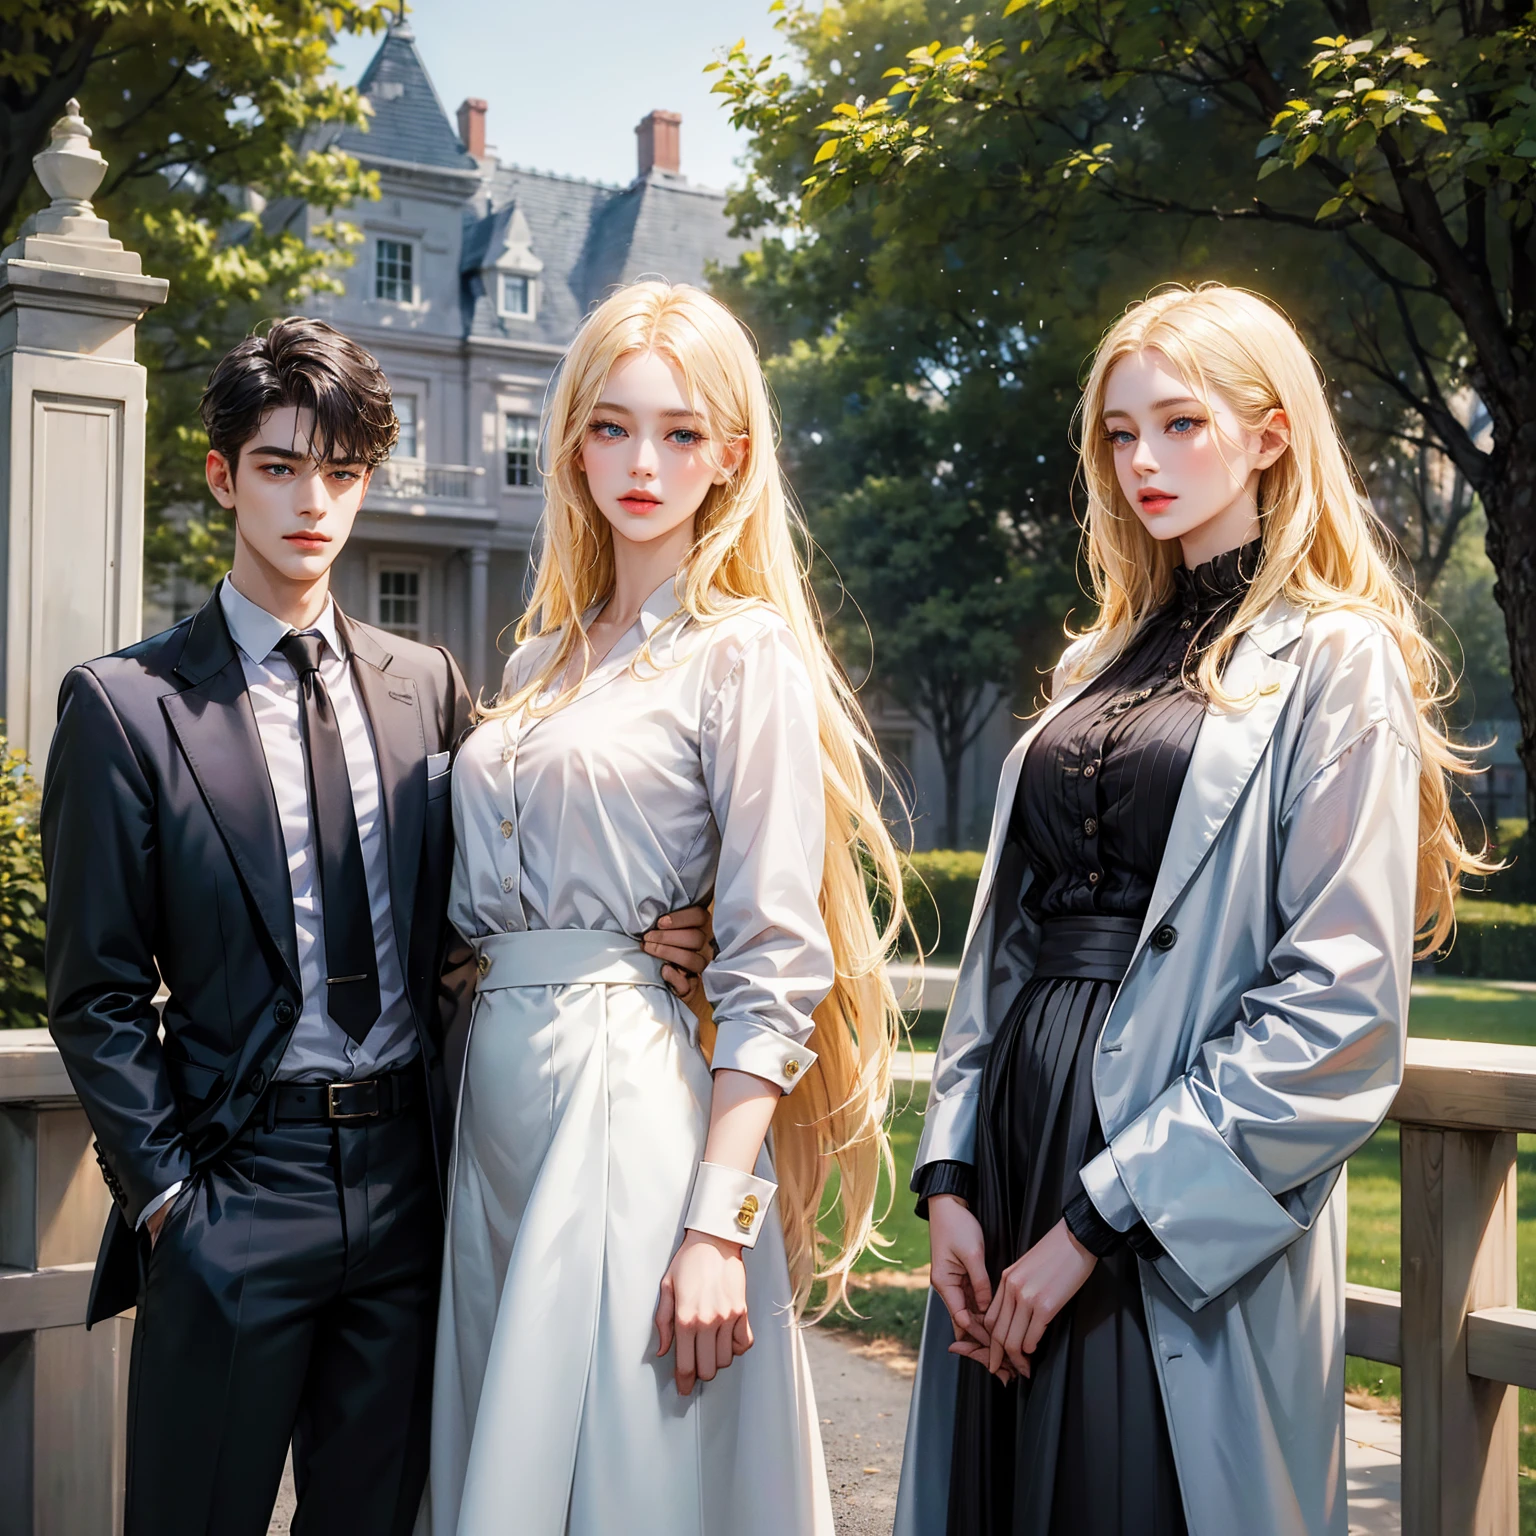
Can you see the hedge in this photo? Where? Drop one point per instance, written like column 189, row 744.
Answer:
column 940, row 887
column 1493, row 939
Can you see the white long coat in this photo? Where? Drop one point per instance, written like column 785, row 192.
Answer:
column 1256, row 1041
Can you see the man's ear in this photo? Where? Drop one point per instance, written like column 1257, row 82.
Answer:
column 220, row 474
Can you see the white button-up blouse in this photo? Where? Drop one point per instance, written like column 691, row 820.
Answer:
column 690, row 771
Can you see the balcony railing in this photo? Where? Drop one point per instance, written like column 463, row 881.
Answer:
column 416, row 480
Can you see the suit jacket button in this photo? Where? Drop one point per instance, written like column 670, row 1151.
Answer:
column 256, row 1081
column 1165, row 937
column 283, row 1013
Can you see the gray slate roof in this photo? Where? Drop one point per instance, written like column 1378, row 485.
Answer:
column 408, row 122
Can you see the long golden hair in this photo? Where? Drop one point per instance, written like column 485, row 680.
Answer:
column 1323, row 546
column 744, row 555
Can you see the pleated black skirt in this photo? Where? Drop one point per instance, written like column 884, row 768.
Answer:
column 1081, row 1448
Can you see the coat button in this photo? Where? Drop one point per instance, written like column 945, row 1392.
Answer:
column 483, row 964
column 1165, row 937
column 506, row 829
column 1089, row 771
column 507, row 882
column 283, row 1012
column 256, row 1081
column 1090, row 827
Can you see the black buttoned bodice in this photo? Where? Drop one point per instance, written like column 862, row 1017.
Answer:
column 1102, row 779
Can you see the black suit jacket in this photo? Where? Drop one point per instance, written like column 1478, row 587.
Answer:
column 165, row 859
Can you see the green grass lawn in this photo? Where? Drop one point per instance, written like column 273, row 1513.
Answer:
column 1441, row 1009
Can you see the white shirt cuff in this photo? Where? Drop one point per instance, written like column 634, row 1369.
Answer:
column 163, row 1198
column 729, row 1203
column 763, row 1052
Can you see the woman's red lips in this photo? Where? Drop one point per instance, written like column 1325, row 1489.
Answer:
column 639, row 499
column 1155, row 501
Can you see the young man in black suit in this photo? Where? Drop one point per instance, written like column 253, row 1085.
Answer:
column 254, row 808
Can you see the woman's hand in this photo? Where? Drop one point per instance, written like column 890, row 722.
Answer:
column 959, row 1271
column 684, row 942
column 1030, row 1293
column 704, row 1307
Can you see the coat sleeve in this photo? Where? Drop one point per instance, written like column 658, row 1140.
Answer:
column 1234, row 1160
column 762, row 770
column 102, row 865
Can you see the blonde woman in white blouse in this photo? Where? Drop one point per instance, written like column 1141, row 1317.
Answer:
column 628, row 1251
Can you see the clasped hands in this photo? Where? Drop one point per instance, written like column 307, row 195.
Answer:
column 1000, row 1329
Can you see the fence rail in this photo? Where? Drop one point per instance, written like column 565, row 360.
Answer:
column 412, row 478
column 1463, row 1344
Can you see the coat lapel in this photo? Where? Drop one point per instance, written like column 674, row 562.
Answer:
column 216, row 727
column 400, row 746
column 1227, row 750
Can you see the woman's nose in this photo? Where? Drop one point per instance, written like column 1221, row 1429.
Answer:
column 1143, row 461
column 646, row 461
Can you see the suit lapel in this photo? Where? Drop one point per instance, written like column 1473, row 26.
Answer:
column 400, row 746
column 1227, row 750
column 216, row 727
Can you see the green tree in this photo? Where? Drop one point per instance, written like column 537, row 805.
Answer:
column 23, row 1000
column 1368, row 162
column 939, row 595
column 217, row 119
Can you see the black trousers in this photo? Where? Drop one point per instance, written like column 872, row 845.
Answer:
column 292, row 1295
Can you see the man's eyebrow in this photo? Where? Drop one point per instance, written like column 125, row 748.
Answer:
column 295, row 457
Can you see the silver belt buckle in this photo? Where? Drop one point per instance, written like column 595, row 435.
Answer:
column 331, row 1111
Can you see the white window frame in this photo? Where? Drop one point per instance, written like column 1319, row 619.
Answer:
column 415, row 453
column 382, row 565
column 531, row 289
column 408, row 277
column 507, row 418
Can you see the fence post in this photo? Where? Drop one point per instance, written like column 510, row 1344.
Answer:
column 71, row 439
column 1461, row 1433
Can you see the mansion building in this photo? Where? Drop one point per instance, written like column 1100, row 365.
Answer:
column 469, row 286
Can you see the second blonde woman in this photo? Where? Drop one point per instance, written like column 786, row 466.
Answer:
column 627, row 1249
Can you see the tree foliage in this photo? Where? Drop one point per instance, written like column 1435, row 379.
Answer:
column 217, row 119
column 23, row 1001
column 1366, row 162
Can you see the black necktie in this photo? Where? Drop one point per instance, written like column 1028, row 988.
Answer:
column 352, row 982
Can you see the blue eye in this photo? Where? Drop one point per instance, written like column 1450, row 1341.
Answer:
column 1184, row 425
column 1119, row 437
column 686, row 437
column 609, row 430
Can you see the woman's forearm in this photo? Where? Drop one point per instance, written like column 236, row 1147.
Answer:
column 740, row 1112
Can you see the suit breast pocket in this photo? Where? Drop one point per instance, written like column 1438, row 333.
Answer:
column 439, row 785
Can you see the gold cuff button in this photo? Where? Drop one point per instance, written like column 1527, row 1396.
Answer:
column 483, row 964
column 791, row 1068
column 746, row 1213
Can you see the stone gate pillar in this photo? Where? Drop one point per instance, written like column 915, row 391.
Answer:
column 71, row 440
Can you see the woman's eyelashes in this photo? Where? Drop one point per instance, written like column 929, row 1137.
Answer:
column 679, row 437
column 1185, row 426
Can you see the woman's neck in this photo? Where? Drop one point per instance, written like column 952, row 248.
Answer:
column 639, row 569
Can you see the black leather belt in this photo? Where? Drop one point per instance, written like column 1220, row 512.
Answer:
column 1087, row 948
column 370, row 1098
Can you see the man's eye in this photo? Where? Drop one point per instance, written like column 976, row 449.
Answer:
column 277, row 469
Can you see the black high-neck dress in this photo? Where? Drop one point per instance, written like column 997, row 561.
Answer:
column 1081, row 1449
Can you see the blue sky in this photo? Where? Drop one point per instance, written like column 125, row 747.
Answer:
column 567, row 82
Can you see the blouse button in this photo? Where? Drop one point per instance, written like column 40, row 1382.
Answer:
column 506, row 882
column 1186, row 623
column 1090, row 827
column 1093, row 877
column 506, row 829
column 1089, row 771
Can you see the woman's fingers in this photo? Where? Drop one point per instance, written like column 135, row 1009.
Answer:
column 975, row 1261
column 1039, row 1320
column 665, row 1307
column 685, row 1371
column 997, row 1326
column 1014, row 1335
column 672, row 951
column 682, row 982
column 741, row 1335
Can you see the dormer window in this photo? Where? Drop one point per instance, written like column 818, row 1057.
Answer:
column 516, row 297
column 394, row 271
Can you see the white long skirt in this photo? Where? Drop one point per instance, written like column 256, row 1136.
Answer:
column 582, row 1119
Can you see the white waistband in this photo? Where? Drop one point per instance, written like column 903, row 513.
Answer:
column 557, row 957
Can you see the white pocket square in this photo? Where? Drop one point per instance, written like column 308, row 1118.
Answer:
column 437, row 763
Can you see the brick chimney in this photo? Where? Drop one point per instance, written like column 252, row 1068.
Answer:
column 472, row 126
column 660, row 143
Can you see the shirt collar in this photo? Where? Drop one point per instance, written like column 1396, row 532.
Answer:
column 258, row 632
column 655, row 610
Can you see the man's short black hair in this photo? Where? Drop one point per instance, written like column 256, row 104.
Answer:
column 311, row 365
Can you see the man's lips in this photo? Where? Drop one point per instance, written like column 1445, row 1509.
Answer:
column 307, row 540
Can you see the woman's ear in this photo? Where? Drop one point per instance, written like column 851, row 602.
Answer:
column 731, row 460
column 1274, row 438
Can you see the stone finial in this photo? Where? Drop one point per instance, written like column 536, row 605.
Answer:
column 67, row 233
column 69, row 169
